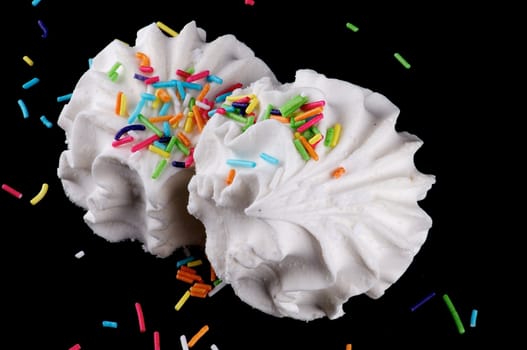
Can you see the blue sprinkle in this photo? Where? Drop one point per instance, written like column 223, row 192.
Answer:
column 269, row 159
column 127, row 128
column 31, row 83
column 241, row 163
column 473, row 318
column 164, row 109
column 222, row 97
column 35, row 2
column 110, row 324
column 184, row 261
column 90, row 62
column 164, row 84
column 214, row 79
column 166, row 128
column 64, row 97
column 46, row 122
column 23, row 107
column 178, row 164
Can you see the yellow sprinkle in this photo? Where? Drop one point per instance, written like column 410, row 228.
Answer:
column 239, row 97
column 315, row 139
column 122, row 107
column 166, row 29
column 195, row 263
column 28, row 60
column 40, row 195
column 336, row 135
column 159, row 151
column 252, row 105
column 182, row 300
column 156, row 103
column 189, row 123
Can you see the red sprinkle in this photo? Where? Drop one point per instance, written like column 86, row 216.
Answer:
column 11, row 191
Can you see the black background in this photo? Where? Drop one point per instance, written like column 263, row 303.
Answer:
column 52, row 300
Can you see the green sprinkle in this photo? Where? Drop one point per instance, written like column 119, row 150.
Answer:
column 267, row 112
column 352, row 27
column 308, row 134
column 191, row 102
column 402, row 60
column 329, row 137
column 454, row 313
column 300, row 148
column 237, row 117
column 249, row 122
column 159, row 168
column 171, row 144
column 292, row 105
column 182, row 147
column 149, row 125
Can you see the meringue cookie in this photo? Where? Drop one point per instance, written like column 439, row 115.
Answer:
column 291, row 236
column 115, row 185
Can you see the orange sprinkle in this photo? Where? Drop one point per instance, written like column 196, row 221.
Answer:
column 183, row 138
column 229, row 180
column 118, row 103
column 144, row 60
column 338, row 172
column 348, row 346
column 199, row 285
column 310, row 150
column 184, row 279
column 187, row 269
column 192, row 276
column 198, row 292
column 212, row 271
column 198, row 118
column 175, row 119
column 279, row 118
column 163, row 95
column 309, row 113
column 203, row 92
column 159, row 119
column 198, row 336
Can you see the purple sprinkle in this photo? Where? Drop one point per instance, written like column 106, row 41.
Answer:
column 419, row 304
column 128, row 128
column 44, row 29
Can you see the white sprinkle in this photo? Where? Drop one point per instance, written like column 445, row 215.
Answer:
column 79, row 254
column 183, row 341
column 217, row 288
column 214, row 347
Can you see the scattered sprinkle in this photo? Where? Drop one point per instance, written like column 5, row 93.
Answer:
column 31, row 83
column 28, row 60
column 338, row 173
column 217, row 287
column 64, row 98
column 75, row 347
column 109, row 324
column 473, row 317
column 249, row 2
column 79, row 254
column 241, row 163
column 230, row 176
column 157, row 342
column 183, row 341
column 352, row 27
column 402, row 60
column 46, row 122
column 11, row 191
column 166, row 29
column 198, row 336
column 44, row 29
column 182, row 300
column 140, row 317
column 40, row 195
column 23, row 108
column 424, row 300
column 454, row 313
column 348, row 346
column 35, row 3
column 269, row 159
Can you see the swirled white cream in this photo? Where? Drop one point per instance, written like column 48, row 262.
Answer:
column 292, row 239
column 115, row 185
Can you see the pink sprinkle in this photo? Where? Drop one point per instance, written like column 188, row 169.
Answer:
column 75, row 347
column 157, row 345
column 197, row 76
column 312, row 105
column 221, row 111
column 310, row 122
column 190, row 159
column 146, row 69
column 249, row 2
column 145, row 143
column 152, row 80
column 126, row 139
column 140, row 317
column 182, row 73
column 11, row 191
